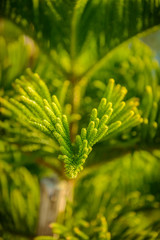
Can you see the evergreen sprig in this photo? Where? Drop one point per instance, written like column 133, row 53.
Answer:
column 34, row 108
column 110, row 118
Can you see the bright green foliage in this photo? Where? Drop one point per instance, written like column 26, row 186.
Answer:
column 74, row 46
column 127, row 194
column 14, row 58
column 135, row 67
column 130, row 202
column 110, row 118
column 44, row 238
column 78, row 30
column 35, row 108
column 97, row 228
column 19, row 200
column 150, row 103
column 138, row 70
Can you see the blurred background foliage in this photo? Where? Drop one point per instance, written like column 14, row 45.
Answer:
column 118, row 200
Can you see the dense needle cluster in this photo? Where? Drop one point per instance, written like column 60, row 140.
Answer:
column 34, row 107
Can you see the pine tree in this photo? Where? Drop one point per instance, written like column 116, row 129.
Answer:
column 76, row 92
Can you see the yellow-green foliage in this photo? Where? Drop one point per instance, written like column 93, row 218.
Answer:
column 72, row 51
column 14, row 58
column 35, row 108
column 19, row 196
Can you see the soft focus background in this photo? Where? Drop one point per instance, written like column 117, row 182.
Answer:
column 118, row 195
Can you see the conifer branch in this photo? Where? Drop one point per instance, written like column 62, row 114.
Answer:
column 34, row 108
column 110, row 118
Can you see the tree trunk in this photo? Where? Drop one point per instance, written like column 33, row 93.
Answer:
column 54, row 196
